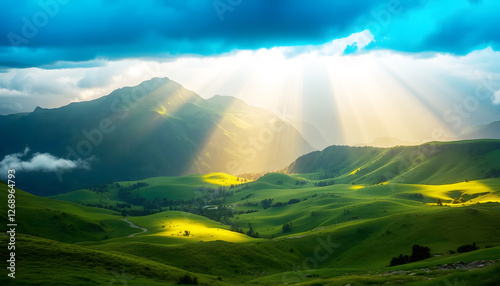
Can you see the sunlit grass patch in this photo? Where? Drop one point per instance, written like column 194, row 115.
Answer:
column 222, row 179
column 195, row 230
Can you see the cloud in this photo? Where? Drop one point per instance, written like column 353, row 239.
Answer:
column 496, row 97
column 455, row 27
column 39, row 162
column 83, row 31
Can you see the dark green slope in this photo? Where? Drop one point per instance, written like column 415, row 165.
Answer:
column 155, row 129
column 62, row 221
column 47, row 262
column 432, row 163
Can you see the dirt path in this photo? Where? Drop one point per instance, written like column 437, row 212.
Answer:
column 135, row 226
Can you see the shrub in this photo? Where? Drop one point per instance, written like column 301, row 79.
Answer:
column 187, row 280
column 418, row 253
column 467, row 248
column 287, row 227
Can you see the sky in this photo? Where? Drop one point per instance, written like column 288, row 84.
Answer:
column 356, row 70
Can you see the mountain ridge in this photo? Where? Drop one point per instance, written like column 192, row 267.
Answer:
column 157, row 128
column 426, row 163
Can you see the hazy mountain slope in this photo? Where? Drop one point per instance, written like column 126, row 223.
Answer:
column 155, row 129
column 491, row 130
column 433, row 163
column 311, row 133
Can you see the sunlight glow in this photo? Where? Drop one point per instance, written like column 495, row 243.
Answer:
column 161, row 110
column 351, row 99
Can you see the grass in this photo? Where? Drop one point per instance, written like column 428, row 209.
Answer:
column 431, row 163
column 63, row 221
column 341, row 234
column 47, row 262
column 389, row 221
column 173, row 188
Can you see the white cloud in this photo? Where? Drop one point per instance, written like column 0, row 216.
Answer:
column 496, row 97
column 43, row 162
column 335, row 47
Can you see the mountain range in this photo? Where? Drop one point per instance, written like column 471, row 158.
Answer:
column 157, row 128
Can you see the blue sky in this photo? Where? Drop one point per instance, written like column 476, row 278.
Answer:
column 431, row 53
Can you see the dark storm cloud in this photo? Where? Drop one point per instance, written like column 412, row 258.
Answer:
column 43, row 33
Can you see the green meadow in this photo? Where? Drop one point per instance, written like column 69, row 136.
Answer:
column 323, row 226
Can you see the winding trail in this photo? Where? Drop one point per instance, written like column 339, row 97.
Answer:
column 135, row 226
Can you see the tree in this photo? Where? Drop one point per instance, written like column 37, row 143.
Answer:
column 419, row 253
column 187, row 280
column 287, row 227
column 400, row 260
column 439, row 202
column 250, row 231
column 467, row 248
column 266, row 203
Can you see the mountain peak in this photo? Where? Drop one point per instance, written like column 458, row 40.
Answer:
column 161, row 80
column 226, row 100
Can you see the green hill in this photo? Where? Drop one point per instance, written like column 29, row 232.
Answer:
column 312, row 228
column 340, row 233
column 430, row 163
column 63, row 221
column 48, row 262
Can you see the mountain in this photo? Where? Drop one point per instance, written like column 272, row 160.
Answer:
column 491, row 130
column 311, row 133
column 432, row 163
column 387, row 142
column 157, row 128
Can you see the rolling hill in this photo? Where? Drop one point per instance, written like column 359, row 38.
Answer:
column 157, row 128
column 330, row 224
column 430, row 163
column 341, row 234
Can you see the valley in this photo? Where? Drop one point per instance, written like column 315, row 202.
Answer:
column 325, row 227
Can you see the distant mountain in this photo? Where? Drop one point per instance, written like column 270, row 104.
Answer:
column 430, row 163
column 311, row 133
column 157, row 128
column 388, row 142
column 491, row 131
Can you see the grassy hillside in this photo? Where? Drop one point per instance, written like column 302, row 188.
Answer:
column 63, row 221
column 48, row 262
column 168, row 188
column 315, row 228
column 431, row 163
column 364, row 225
